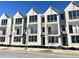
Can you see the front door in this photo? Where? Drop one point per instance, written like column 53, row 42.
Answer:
column 24, row 39
column 43, row 41
column 64, row 40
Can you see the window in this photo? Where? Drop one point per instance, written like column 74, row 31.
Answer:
column 4, row 22
column 52, row 18
column 32, row 38
column 75, row 39
column 17, row 39
column 2, row 39
column 52, row 39
column 70, row 15
column 53, row 30
column 70, row 29
column 33, row 18
column 55, row 17
column 77, row 13
column 18, row 21
column 33, row 29
column 62, row 16
column 74, row 14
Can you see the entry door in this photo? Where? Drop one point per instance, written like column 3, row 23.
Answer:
column 24, row 40
column 64, row 40
column 43, row 41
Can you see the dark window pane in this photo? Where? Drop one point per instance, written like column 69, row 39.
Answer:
column 56, row 39
column 2, row 39
column 62, row 16
column 4, row 22
column 70, row 15
column 74, row 14
column 77, row 39
column 73, row 39
column 18, row 21
column 49, row 39
column 4, row 32
column 32, row 38
column 17, row 39
column 33, row 18
column 52, row 39
column 55, row 17
column 63, row 28
column 48, row 18
column 77, row 13
column 52, row 18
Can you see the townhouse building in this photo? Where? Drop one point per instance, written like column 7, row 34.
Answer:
column 18, row 29
column 72, row 24
column 52, row 28
column 33, row 28
column 5, row 29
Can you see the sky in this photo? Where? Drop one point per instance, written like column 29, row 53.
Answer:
column 11, row 7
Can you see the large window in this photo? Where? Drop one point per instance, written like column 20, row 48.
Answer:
column 52, row 39
column 33, row 18
column 33, row 29
column 74, row 14
column 18, row 21
column 75, row 39
column 4, row 22
column 74, row 28
column 2, row 39
column 52, row 18
column 32, row 38
column 17, row 39
column 53, row 30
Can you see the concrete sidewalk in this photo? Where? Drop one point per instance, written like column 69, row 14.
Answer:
column 41, row 50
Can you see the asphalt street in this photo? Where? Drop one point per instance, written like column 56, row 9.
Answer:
column 18, row 54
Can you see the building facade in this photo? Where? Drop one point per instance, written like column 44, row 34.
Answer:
column 5, row 29
column 51, row 28
column 72, row 24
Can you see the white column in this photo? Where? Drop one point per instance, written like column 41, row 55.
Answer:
column 39, row 29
